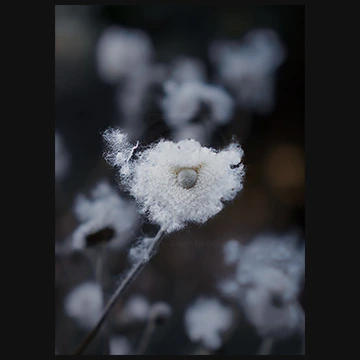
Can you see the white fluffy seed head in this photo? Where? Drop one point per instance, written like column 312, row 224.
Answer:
column 206, row 320
column 170, row 196
column 85, row 303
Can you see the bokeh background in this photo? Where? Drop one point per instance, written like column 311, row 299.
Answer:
column 189, row 262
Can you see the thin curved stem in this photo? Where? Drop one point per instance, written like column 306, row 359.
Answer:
column 302, row 330
column 266, row 346
column 99, row 275
column 131, row 275
column 145, row 338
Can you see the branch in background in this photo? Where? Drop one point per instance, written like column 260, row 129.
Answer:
column 130, row 277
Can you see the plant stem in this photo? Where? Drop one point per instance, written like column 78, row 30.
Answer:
column 302, row 330
column 134, row 271
column 145, row 338
column 99, row 275
column 266, row 346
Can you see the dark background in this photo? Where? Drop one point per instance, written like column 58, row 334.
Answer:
column 273, row 195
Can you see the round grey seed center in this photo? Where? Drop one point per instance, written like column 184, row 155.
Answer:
column 187, row 178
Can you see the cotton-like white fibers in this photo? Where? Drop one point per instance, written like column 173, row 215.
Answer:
column 152, row 178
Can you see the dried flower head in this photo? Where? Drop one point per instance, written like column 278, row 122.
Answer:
column 177, row 183
column 206, row 320
column 85, row 303
column 104, row 215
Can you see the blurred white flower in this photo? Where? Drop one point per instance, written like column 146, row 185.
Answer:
column 184, row 101
column 121, row 52
column 267, row 282
column 136, row 309
column 124, row 58
column 206, row 320
column 248, row 67
column 62, row 159
column 266, row 304
column 187, row 69
column 160, row 312
column 279, row 252
column 131, row 100
column 119, row 345
column 104, row 210
column 85, row 303
column 232, row 251
column 177, row 183
column 198, row 132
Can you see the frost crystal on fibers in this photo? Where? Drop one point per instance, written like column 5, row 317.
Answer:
column 206, row 320
column 103, row 209
column 84, row 304
column 152, row 178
